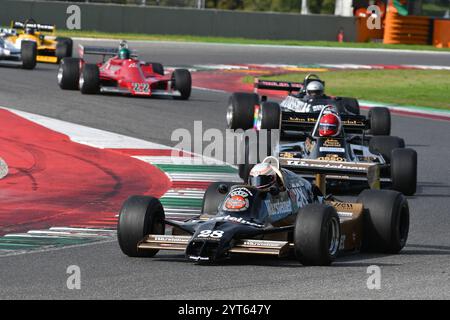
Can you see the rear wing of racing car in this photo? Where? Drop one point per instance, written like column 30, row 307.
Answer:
column 323, row 168
column 101, row 51
column 39, row 27
column 277, row 85
column 296, row 121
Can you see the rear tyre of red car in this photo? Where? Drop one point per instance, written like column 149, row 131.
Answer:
column 241, row 110
column 90, row 79
column 317, row 235
column 139, row 217
column 183, row 83
column 380, row 121
column 385, row 221
column 404, row 171
column 64, row 47
column 28, row 53
column 69, row 73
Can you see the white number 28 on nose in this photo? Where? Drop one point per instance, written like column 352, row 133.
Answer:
column 210, row 234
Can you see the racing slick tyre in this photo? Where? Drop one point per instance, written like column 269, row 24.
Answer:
column 183, row 83
column 380, row 121
column 384, row 145
column 241, row 110
column 270, row 114
column 28, row 53
column 404, row 171
column 139, row 217
column 385, row 221
column 214, row 196
column 351, row 105
column 317, row 235
column 69, row 73
column 89, row 79
column 157, row 68
column 64, row 47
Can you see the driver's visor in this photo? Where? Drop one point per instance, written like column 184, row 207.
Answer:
column 261, row 182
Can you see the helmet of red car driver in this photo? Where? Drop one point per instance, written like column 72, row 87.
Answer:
column 262, row 176
column 329, row 125
column 124, row 53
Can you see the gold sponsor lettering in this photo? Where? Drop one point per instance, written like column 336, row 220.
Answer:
column 331, row 143
column 287, row 155
column 332, row 157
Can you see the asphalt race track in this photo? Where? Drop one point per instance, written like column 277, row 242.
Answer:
column 422, row 270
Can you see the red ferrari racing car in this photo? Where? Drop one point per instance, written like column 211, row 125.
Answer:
column 122, row 73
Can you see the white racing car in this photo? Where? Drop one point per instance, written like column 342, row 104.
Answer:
column 24, row 57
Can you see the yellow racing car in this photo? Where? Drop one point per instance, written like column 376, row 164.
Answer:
column 50, row 49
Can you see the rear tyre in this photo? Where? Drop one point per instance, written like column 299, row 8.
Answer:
column 385, row 222
column 213, row 197
column 270, row 115
column 139, row 217
column 69, row 73
column 317, row 235
column 182, row 83
column 64, row 47
column 29, row 54
column 351, row 105
column 404, row 171
column 384, row 145
column 241, row 110
column 380, row 121
column 90, row 79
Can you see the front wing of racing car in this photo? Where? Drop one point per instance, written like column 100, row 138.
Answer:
column 274, row 241
column 141, row 89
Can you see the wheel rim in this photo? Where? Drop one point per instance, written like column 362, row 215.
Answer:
column 333, row 236
column 60, row 75
column 230, row 115
column 81, row 81
column 403, row 226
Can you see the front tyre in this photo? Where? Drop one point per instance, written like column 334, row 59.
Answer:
column 385, row 221
column 89, row 82
column 183, row 83
column 29, row 54
column 317, row 235
column 139, row 217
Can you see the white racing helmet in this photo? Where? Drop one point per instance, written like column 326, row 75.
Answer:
column 262, row 176
column 315, row 88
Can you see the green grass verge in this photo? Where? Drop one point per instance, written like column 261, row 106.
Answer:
column 424, row 88
column 188, row 38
